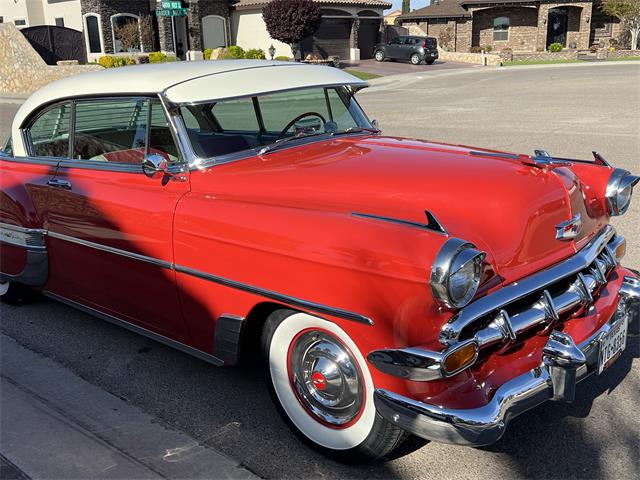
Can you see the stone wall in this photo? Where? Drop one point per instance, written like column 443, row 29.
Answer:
column 533, row 56
column 623, row 53
column 22, row 70
column 198, row 9
column 581, row 32
column 490, row 60
column 523, row 29
column 463, row 34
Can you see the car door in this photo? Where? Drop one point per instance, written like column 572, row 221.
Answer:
column 408, row 47
column 394, row 47
column 110, row 226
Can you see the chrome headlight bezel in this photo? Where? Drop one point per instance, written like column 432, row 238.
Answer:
column 454, row 256
column 619, row 186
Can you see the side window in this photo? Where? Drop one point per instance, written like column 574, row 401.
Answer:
column 8, row 147
column 236, row 115
column 396, row 41
column 49, row 133
column 111, row 130
column 160, row 138
column 339, row 111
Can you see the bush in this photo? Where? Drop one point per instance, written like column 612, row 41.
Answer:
column 488, row 48
column 106, row 61
column 171, row 58
column 157, row 57
column 255, row 53
column 283, row 58
column 555, row 47
column 207, row 53
column 236, row 51
column 143, row 59
column 475, row 50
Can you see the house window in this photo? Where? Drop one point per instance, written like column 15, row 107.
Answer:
column 122, row 20
column 20, row 22
column 437, row 21
column 59, row 22
column 1, row 19
column 92, row 32
column 501, row 29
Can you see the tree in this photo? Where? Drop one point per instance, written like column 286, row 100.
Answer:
column 129, row 35
column 289, row 21
column 628, row 12
column 406, row 7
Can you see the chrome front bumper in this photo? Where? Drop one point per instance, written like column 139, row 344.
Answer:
column 564, row 364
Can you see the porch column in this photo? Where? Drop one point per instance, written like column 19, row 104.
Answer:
column 353, row 40
column 165, row 34
column 584, row 34
column 543, row 19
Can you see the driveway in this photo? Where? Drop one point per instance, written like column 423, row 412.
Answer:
column 567, row 110
column 394, row 68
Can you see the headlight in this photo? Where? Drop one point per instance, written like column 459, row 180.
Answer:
column 619, row 190
column 456, row 272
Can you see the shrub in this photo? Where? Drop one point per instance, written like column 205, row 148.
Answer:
column 129, row 35
column 475, row 50
column 170, row 58
column 283, row 58
column 143, row 59
column 236, row 51
column 594, row 48
column 157, row 57
column 290, row 21
column 555, row 47
column 255, row 53
column 488, row 48
column 207, row 53
column 106, row 61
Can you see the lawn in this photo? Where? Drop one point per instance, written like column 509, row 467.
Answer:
column 622, row 59
column 362, row 75
column 517, row 63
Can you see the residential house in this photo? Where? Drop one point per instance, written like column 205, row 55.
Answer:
column 521, row 25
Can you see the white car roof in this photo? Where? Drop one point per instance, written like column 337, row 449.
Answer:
column 190, row 82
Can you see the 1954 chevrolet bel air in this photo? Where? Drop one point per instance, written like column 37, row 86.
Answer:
column 392, row 286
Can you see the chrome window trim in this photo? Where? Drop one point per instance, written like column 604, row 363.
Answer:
column 25, row 129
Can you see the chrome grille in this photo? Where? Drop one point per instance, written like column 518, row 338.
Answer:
column 540, row 302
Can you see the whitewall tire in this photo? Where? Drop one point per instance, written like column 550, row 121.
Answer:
column 323, row 388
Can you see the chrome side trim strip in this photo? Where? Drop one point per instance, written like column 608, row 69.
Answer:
column 115, row 251
column 32, row 238
column 538, row 282
column 140, row 330
column 316, row 307
column 432, row 222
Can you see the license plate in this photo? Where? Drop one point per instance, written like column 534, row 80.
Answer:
column 613, row 344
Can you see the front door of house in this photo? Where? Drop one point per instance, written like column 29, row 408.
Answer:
column 557, row 27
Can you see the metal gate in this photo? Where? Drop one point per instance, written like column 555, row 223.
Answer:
column 56, row 43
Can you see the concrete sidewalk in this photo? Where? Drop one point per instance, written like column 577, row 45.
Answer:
column 55, row 425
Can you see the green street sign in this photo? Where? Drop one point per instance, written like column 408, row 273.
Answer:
column 173, row 4
column 172, row 12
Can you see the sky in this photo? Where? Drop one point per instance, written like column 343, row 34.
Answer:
column 415, row 4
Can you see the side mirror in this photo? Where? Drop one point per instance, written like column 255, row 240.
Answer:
column 375, row 124
column 155, row 165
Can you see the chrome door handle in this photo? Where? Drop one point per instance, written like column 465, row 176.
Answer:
column 57, row 183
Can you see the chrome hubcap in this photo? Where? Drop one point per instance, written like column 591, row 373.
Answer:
column 326, row 378
column 4, row 287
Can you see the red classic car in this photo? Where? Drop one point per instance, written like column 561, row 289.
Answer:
column 392, row 286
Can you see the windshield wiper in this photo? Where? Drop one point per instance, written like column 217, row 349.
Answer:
column 283, row 141
column 356, row 130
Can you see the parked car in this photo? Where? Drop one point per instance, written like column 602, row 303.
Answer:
column 392, row 286
column 412, row 48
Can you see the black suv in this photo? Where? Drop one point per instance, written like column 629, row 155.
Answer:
column 415, row 49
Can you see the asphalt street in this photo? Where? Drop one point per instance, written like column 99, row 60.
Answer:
column 568, row 111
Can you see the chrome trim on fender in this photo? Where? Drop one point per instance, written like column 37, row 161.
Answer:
column 433, row 224
column 569, row 229
column 140, row 330
column 115, row 251
column 316, row 307
column 563, row 365
column 36, row 269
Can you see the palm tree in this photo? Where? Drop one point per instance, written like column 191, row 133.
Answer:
column 406, row 6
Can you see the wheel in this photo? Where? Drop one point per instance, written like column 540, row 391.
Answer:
column 415, row 59
column 14, row 294
column 379, row 56
column 323, row 389
column 430, row 62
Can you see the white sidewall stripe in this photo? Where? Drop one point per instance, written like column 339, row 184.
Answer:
column 337, row 439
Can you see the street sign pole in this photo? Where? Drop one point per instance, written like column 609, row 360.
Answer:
column 173, row 31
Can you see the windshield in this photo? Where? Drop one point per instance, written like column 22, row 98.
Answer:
column 227, row 127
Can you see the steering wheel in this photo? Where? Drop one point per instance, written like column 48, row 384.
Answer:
column 297, row 119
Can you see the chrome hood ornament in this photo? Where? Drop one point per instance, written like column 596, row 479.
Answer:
column 570, row 229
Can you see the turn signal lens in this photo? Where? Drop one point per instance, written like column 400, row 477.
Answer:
column 460, row 358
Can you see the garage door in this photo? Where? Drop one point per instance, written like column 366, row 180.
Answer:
column 367, row 37
column 330, row 39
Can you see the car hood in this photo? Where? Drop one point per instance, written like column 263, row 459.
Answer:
column 507, row 208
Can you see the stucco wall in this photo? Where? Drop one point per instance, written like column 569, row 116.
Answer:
column 10, row 10
column 248, row 30
column 67, row 9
